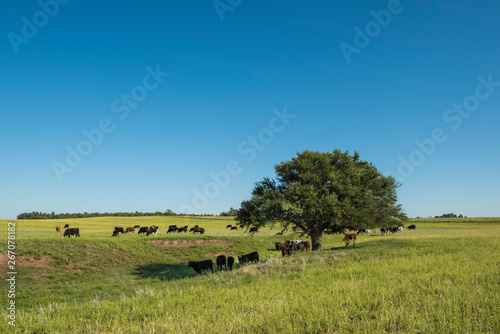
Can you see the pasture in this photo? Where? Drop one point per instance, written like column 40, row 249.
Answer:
column 443, row 277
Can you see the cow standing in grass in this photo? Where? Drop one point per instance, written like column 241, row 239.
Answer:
column 71, row 231
column 230, row 262
column 221, row 261
column 201, row 265
column 348, row 238
column 58, row 228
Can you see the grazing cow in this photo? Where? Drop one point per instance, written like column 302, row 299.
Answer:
column 307, row 245
column 393, row 229
column 234, row 227
column 230, row 262
column 298, row 246
column 363, row 230
column 221, row 261
column 191, row 229
column 286, row 252
column 71, row 231
column 66, row 226
column 137, row 226
column 130, row 229
column 412, row 227
column 400, row 228
column 254, row 229
column 115, row 233
column 383, row 231
column 119, row 230
column 348, row 238
column 252, row 257
column 153, row 229
column 201, row 265
column 172, row 229
column 228, row 226
column 143, row 229
column 182, row 229
column 200, row 230
column 58, row 228
column 290, row 243
column 279, row 233
column 280, row 246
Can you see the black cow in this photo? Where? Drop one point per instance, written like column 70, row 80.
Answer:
column 286, row 251
column 191, row 229
column 66, row 226
column 200, row 230
column 221, row 261
column 252, row 257
column 363, row 230
column 115, row 234
column 143, row 229
column 71, row 231
column 153, row 229
column 393, row 229
column 172, row 229
column 234, row 227
column 118, row 230
column 384, row 230
column 230, row 262
column 228, row 226
column 254, row 229
column 202, row 265
column 182, row 229
column 412, row 227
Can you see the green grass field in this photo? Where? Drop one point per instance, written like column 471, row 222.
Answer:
column 443, row 277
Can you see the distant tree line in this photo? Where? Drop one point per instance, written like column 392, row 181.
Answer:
column 52, row 215
column 450, row 215
column 231, row 212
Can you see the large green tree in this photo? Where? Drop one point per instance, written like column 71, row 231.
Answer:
column 317, row 193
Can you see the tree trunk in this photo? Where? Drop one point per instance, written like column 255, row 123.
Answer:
column 317, row 240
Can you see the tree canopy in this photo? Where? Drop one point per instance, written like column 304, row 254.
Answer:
column 317, row 193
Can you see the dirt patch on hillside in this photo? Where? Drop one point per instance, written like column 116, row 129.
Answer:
column 30, row 261
column 189, row 243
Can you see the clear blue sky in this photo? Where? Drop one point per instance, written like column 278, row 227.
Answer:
column 377, row 77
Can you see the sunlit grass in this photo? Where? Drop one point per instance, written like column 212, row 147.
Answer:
column 440, row 278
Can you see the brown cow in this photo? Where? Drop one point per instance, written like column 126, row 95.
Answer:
column 307, row 245
column 137, row 226
column 348, row 238
column 280, row 246
column 130, row 229
column 58, row 228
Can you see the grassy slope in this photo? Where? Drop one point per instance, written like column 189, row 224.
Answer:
column 443, row 277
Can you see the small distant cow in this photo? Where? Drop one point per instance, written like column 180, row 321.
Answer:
column 412, row 227
column 119, row 230
column 252, row 257
column 137, row 226
column 229, row 226
column 172, row 229
column 130, row 230
column 286, row 252
column 300, row 246
column 348, row 238
column 384, row 231
column 143, row 229
column 290, row 243
column 307, row 245
column 115, row 233
column 393, row 229
column 66, row 226
column 153, row 229
column 58, row 228
column 254, row 229
column 71, row 231
column 230, row 262
column 182, row 229
column 363, row 230
column 280, row 246
column 200, row 230
column 201, row 265
column 400, row 228
column 234, row 227
column 221, row 261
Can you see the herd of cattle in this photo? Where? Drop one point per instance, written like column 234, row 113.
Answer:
column 287, row 248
